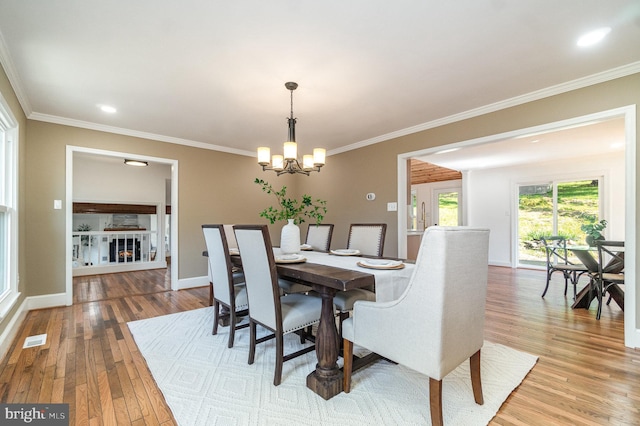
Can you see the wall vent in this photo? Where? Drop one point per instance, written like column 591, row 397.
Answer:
column 32, row 341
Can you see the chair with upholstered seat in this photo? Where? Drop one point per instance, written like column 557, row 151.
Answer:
column 228, row 289
column 558, row 261
column 319, row 236
column 368, row 238
column 279, row 314
column 238, row 277
column 438, row 322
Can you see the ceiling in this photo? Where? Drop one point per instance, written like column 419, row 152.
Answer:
column 588, row 139
column 212, row 74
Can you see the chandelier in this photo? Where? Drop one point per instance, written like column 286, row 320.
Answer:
column 288, row 163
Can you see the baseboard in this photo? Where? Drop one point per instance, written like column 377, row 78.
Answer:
column 502, row 264
column 46, row 301
column 28, row 304
column 11, row 330
column 192, row 282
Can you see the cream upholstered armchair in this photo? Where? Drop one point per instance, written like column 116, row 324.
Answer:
column 441, row 313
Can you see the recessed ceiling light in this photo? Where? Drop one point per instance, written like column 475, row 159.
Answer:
column 107, row 108
column 593, row 37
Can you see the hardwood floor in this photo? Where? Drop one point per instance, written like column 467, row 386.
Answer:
column 92, row 288
column 584, row 375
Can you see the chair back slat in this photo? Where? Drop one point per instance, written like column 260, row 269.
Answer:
column 611, row 256
column 556, row 250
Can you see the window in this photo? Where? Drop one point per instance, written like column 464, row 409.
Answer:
column 555, row 208
column 8, row 209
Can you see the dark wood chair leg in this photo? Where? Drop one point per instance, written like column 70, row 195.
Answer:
column 348, row 365
column 476, row 380
column 252, row 341
column 343, row 316
column 277, row 378
column 547, row 286
column 211, row 294
column 232, row 328
column 216, row 317
column 435, row 401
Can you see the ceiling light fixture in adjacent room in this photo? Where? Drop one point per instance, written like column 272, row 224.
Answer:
column 288, row 163
column 137, row 163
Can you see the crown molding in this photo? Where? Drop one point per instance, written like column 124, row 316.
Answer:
column 12, row 75
column 622, row 71
column 580, row 83
column 134, row 133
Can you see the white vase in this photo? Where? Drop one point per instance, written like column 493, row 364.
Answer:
column 290, row 238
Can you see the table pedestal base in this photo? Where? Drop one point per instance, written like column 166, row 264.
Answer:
column 326, row 380
column 327, row 387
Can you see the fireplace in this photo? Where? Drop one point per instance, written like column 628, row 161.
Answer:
column 124, row 250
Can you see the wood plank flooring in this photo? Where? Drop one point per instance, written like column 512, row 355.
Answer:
column 584, row 375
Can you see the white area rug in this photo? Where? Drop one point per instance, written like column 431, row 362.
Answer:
column 206, row 383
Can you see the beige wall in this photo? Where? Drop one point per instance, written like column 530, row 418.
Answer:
column 218, row 187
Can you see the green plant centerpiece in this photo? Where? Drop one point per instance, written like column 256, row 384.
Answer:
column 594, row 231
column 290, row 208
column 294, row 211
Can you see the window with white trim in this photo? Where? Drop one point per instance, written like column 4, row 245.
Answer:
column 8, row 209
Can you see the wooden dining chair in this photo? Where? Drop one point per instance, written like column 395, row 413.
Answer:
column 319, row 236
column 279, row 314
column 227, row 288
column 438, row 322
column 610, row 272
column 558, row 261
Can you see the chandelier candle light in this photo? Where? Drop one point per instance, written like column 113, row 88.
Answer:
column 288, row 163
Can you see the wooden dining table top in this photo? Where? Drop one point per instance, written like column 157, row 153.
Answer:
column 340, row 279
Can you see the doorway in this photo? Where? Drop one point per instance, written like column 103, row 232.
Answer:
column 71, row 152
column 503, row 237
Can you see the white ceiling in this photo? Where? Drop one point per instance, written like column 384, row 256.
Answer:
column 588, row 139
column 210, row 73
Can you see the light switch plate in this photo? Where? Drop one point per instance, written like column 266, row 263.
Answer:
column 392, row 207
column 57, row 204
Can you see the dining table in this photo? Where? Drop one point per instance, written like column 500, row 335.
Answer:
column 327, row 274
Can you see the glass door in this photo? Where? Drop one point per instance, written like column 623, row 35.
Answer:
column 446, row 207
column 554, row 208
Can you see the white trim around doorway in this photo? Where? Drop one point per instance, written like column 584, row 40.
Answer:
column 631, row 329
column 69, row 210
